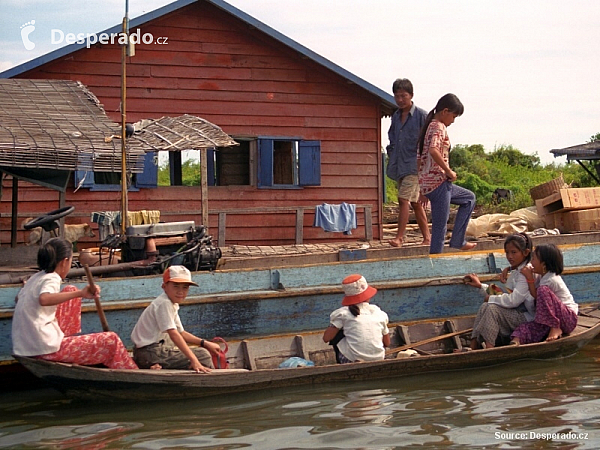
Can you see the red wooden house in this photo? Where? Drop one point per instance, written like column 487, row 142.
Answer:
column 309, row 131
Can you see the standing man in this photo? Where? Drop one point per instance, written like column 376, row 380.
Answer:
column 402, row 159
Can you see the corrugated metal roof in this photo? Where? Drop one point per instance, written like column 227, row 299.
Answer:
column 589, row 151
column 387, row 100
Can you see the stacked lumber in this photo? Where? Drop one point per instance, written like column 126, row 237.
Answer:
column 569, row 209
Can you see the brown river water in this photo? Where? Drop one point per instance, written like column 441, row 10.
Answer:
column 526, row 404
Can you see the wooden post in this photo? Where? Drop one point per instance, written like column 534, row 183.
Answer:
column 61, row 204
column 299, row 225
column 204, row 187
column 15, row 201
column 124, row 198
column 222, row 228
column 368, row 224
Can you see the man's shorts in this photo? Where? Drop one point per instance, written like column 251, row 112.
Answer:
column 408, row 188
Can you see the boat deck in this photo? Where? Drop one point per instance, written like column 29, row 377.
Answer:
column 22, row 259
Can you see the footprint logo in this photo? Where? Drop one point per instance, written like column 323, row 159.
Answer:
column 26, row 30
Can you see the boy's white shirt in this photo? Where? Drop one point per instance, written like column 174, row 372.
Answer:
column 161, row 315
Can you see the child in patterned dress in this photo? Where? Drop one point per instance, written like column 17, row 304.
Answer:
column 502, row 312
column 46, row 319
column 556, row 311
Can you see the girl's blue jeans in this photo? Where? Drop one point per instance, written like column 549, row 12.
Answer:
column 441, row 198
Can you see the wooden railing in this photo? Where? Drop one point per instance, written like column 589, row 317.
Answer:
column 367, row 210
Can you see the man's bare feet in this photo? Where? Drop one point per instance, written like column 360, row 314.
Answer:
column 469, row 246
column 554, row 334
column 475, row 344
column 396, row 242
column 156, row 367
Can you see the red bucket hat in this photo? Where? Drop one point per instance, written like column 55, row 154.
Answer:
column 356, row 290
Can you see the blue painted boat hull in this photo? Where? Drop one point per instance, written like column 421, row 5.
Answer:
column 243, row 303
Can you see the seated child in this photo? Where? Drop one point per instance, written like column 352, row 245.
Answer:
column 501, row 312
column 159, row 325
column 47, row 320
column 556, row 311
column 364, row 326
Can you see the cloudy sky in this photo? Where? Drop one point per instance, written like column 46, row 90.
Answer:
column 527, row 71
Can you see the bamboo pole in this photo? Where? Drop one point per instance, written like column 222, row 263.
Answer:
column 101, row 315
column 204, row 186
column 124, row 199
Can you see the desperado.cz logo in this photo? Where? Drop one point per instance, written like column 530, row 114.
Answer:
column 58, row 37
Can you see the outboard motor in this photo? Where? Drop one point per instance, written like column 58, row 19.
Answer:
column 163, row 244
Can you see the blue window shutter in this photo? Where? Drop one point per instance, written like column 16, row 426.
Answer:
column 149, row 178
column 265, row 162
column 309, row 163
column 210, row 167
column 86, row 176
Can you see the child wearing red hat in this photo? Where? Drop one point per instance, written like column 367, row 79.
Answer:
column 358, row 330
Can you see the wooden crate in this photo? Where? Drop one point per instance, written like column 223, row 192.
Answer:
column 570, row 221
column 546, row 189
column 568, row 200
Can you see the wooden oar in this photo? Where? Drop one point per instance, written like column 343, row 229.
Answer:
column 427, row 341
column 90, row 278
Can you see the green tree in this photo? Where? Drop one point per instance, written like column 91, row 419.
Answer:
column 190, row 173
column 514, row 157
column 506, row 167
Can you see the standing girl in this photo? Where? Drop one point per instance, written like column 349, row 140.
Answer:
column 46, row 319
column 556, row 311
column 358, row 330
column 436, row 177
column 501, row 313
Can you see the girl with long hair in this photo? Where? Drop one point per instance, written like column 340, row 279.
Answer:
column 436, row 177
column 47, row 320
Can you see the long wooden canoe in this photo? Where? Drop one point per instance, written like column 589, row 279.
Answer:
column 254, row 363
column 253, row 302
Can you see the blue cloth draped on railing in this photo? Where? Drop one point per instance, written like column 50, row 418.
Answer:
column 336, row 218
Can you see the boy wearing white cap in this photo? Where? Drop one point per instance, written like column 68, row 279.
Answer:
column 364, row 326
column 160, row 321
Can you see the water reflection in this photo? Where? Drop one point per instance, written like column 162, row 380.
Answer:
column 533, row 404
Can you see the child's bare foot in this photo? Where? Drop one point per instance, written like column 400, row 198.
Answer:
column 156, row 367
column 469, row 246
column 396, row 242
column 426, row 241
column 554, row 334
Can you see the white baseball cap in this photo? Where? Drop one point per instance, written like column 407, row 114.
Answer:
column 178, row 274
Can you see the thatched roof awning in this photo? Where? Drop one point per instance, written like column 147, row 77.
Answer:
column 180, row 133
column 589, row 151
column 61, row 125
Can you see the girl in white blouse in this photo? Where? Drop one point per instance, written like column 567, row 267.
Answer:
column 556, row 311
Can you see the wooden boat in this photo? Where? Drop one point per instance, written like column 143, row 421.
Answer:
column 240, row 303
column 254, row 363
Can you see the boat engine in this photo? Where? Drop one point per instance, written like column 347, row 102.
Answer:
column 164, row 244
